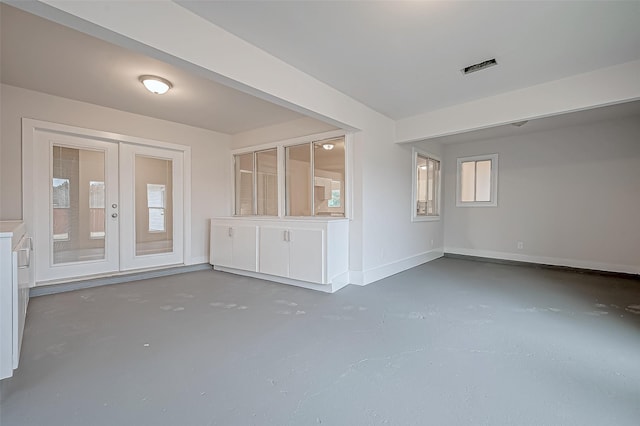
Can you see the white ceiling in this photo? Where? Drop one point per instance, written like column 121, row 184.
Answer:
column 400, row 58
column 403, row 58
column 40, row 55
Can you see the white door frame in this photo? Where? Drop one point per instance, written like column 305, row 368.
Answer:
column 29, row 129
column 128, row 258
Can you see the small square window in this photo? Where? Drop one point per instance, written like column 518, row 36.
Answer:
column 426, row 187
column 477, row 181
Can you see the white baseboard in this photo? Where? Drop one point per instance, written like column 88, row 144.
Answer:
column 375, row 274
column 326, row 288
column 543, row 260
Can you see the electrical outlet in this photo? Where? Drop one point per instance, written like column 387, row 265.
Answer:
column 520, row 245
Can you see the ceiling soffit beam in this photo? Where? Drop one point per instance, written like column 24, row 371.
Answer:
column 171, row 33
column 606, row 86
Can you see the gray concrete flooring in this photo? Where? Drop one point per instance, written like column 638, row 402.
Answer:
column 452, row 342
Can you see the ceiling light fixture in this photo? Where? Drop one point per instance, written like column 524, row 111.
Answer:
column 154, row 84
column 328, row 146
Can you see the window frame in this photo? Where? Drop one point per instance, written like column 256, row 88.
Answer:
column 312, row 165
column 281, row 172
column 494, row 181
column 161, row 188
column 415, row 217
column 254, row 181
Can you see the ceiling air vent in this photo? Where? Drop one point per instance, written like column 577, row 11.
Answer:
column 479, row 66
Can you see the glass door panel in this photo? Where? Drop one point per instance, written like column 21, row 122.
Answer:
column 154, row 205
column 77, row 204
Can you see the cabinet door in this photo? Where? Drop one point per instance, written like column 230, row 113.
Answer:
column 306, row 258
column 221, row 246
column 274, row 252
column 244, row 248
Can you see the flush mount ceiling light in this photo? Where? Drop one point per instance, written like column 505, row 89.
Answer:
column 154, row 84
column 327, row 146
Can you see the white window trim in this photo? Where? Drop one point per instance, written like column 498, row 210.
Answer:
column 494, row 181
column 414, row 186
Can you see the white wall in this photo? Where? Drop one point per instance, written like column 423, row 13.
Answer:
column 302, row 127
column 391, row 242
column 210, row 151
column 571, row 195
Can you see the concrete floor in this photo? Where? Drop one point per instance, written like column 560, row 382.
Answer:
column 452, row 342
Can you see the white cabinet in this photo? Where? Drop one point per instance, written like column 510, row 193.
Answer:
column 293, row 253
column 234, row 245
column 307, row 255
column 16, row 276
column 274, row 251
column 312, row 253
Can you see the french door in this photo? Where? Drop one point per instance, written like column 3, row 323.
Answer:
column 105, row 206
column 151, row 213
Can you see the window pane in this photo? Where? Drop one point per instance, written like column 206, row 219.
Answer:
column 298, row 180
column 436, row 186
column 267, row 185
column 483, row 180
column 244, row 184
column 156, row 220
column 61, row 193
column 467, row 181
column 156, row 204
column 328, row 177
column 336, row 196
column 421, row 193
column 96, row 209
